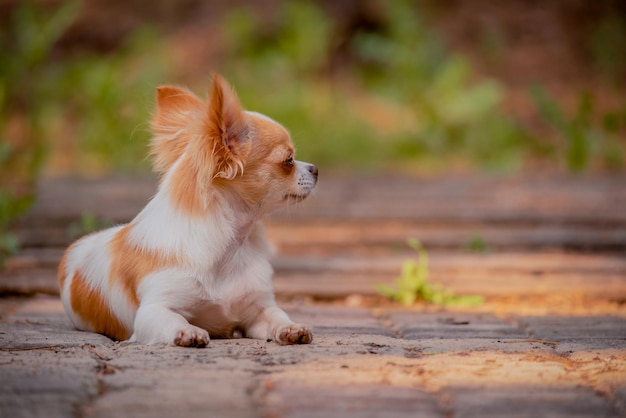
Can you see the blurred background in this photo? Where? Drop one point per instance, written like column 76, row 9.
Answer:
column 425, row 87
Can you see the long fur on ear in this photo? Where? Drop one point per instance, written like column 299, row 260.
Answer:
column 177, row 108
column 228, row 129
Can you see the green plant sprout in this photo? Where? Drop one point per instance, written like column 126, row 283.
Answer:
column 413, row 284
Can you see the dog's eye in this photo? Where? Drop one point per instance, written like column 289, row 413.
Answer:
column 288, row 165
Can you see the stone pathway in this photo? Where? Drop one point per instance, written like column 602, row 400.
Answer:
column 550, row 339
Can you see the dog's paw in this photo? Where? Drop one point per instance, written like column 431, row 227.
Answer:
column 294, row 334
column 192, row 337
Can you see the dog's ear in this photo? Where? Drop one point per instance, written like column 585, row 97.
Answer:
column 227, row 129
column 173, row 100
column 176, row 107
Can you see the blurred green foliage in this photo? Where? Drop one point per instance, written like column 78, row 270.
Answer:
column 98, row 105
column 280, row 72
column 401, row 99
column 607, row 45
column 586, row 136
column 111, row 102
column 101, row 101
column 453, row 114
column 24, row 49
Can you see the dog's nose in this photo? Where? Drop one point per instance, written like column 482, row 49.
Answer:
column 313, row 170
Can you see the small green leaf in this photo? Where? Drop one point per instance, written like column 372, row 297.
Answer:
column 413, row 284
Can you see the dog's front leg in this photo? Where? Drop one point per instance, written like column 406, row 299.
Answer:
column 274, row 324
column 165, row 296
column 157, row 324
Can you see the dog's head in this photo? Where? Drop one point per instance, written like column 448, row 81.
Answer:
column 215, row 148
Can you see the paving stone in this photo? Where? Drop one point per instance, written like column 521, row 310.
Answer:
column 619, row 397
column 354, row 401
column 347, row 371
column 567, row 346
column 41, row 322
column 528, row 402
column 32, row 335
column 425, row 325
column 492, row 368
column 429, row 346
column 186, row 390
column 338, row 320
column 603, row 368
column 45, row 382
column 559, row 328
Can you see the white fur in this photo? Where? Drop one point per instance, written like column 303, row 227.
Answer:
column 260, row 115
column 160, row 227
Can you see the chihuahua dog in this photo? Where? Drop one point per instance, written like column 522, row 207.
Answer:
column 194, row 262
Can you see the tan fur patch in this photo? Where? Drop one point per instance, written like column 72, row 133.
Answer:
column 167, row 149
column 227, row 128
column 131, row 263
column 89, row 304
column 185, row 189
column 177, row 109
column 270, row 133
